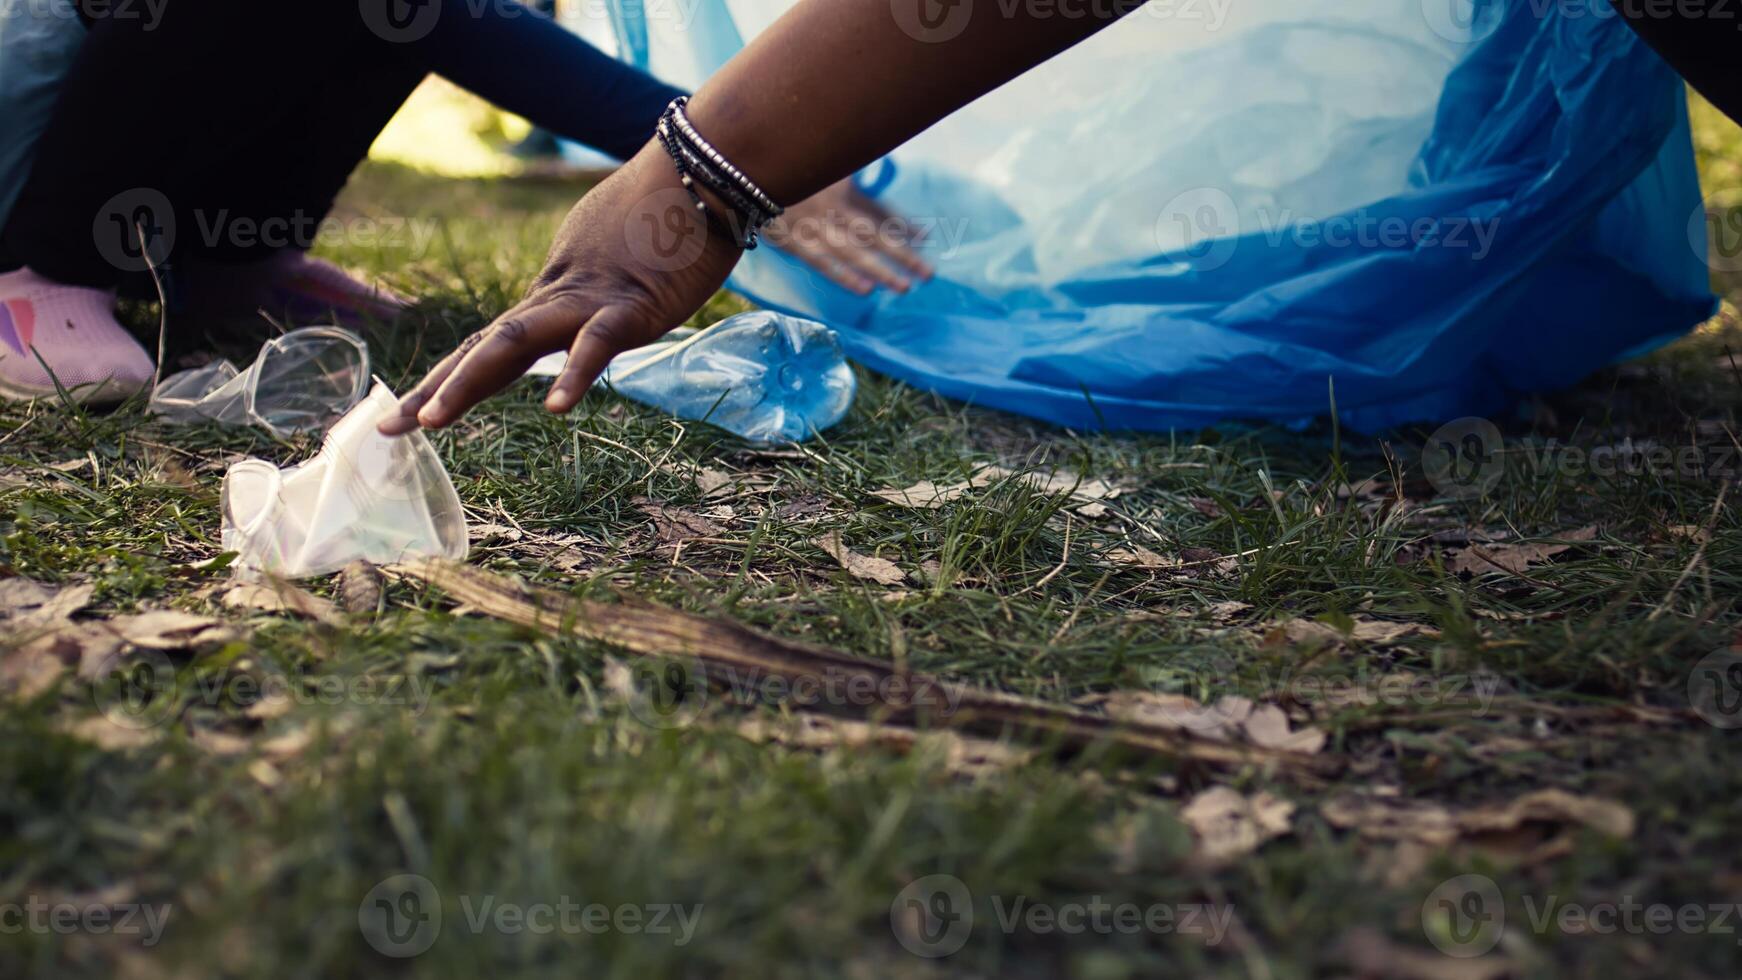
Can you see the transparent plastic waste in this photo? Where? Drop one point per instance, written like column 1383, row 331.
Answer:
column 303, row 380
column 763, row 376
column 366, row 495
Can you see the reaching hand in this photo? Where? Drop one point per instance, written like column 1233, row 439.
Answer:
column 632, row 260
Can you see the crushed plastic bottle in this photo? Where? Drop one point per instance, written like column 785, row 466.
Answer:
column 365, row 495
column 763, row 376
column 304, row 380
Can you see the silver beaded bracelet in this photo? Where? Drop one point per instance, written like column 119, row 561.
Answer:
column 697, row 160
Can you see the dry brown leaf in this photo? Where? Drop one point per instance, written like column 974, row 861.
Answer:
column 675, row 525
column 924, row 495
column 1514, row 558
column 220, row 743
column 360, row 587
column 25, row 604
column 1268, row 726
column 95, row 646
column 1229, row 825
column 1534, row 828
column 1229, row 719
column 489, row 532
column 1140, row 557
column 867, row 567
column 281, row 597
column 1374, row 632
column 961, row 754
column 106, row 734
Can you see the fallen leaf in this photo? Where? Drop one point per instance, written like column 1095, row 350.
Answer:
column 281, row 597
column 360, row 585
column 1229, row 719
column 106, row 734
column 1373, row 632
column 1268, row 726
column 489, row 532
column 25, row 604
column 675, row 525
column 1140, row 557
column 1229, row 825
column 1514, row 558
column 867, row 567
column 1527, row 830
column 963, row 755
column 924, row 495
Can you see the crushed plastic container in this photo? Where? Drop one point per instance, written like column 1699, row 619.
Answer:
column 301, row 381
column 763, row 376
column 365, row 495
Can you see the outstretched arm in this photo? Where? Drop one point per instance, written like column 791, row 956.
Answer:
column 829, row 87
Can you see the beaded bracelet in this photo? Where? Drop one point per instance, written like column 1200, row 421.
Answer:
column 696, row 160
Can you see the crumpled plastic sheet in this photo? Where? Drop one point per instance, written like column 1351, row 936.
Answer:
column 365, row 496
column 301, row 381
column 1214, row 211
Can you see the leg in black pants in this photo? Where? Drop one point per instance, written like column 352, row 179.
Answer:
column 242, row 114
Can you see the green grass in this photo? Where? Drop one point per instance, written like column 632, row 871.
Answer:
column 499, row 765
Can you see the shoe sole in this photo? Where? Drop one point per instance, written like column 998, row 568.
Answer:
column 97, row 394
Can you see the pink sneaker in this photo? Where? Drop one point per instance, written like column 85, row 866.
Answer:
column 290, row 284
column 73, row 331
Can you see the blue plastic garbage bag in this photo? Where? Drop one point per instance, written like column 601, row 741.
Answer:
column 1220, row 210
column 38, row 40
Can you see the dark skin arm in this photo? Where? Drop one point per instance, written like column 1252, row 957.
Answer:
column 824, row 91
